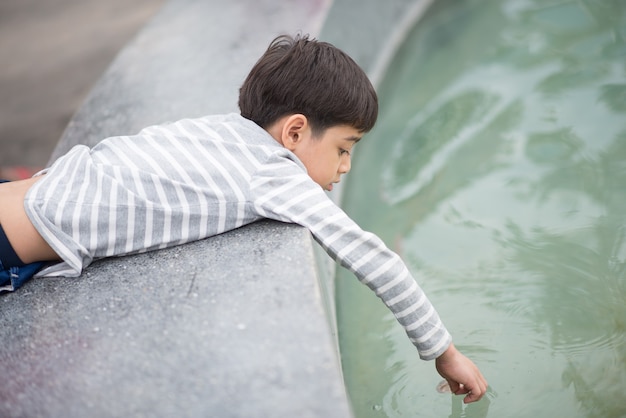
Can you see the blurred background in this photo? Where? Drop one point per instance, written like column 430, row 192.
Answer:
column 51, row 54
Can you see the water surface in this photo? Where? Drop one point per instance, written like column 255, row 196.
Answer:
column 498, row 172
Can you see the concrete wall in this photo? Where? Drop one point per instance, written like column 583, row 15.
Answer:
column 238, row 325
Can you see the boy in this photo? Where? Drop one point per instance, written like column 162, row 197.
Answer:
column 304, row 106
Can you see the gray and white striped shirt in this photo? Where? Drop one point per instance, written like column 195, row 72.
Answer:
column 195, row 178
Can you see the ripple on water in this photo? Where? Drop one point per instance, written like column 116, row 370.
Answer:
column 590, row 345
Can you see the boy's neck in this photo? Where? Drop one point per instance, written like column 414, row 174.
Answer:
column 275, row 131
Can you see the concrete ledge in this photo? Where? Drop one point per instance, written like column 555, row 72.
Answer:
column 206, row 329
column 232, row 326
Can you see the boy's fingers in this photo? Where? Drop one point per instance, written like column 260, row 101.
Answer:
column 460, row 389
column 474, row 395
column 475, row 392
column 454, row 386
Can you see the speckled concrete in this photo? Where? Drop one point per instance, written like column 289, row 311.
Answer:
column 209, row 329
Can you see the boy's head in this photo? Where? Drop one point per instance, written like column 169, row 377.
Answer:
column 309, row 77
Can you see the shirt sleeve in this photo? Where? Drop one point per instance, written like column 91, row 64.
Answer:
column 282, row 190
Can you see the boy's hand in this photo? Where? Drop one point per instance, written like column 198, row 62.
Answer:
column 462, row 374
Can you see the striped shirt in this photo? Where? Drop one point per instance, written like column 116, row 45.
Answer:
column 196, row 178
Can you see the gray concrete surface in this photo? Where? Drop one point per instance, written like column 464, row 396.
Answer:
column 210, row 329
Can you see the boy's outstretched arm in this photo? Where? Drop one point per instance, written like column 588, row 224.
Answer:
column 302, row 201
column 462, row 374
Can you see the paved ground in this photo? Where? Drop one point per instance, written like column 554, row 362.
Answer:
column 51, row 54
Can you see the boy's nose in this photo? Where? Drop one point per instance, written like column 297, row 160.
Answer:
column 345, row 165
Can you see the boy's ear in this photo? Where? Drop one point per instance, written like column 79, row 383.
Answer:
column 294, row 129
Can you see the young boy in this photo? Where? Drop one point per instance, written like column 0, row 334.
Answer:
column 304, row 106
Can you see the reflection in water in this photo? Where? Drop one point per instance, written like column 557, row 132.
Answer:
column 584, row 306
column 451, row 123
column 498, row 172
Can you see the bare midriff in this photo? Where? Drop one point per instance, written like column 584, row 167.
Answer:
column 23, row 236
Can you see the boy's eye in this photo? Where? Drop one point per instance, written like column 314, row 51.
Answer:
column 344, row 151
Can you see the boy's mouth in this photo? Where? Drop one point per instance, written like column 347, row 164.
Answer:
column 330, row 186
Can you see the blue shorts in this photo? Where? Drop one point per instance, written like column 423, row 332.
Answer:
column 13, row 272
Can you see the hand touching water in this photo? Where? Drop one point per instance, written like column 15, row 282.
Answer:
column 462, row 374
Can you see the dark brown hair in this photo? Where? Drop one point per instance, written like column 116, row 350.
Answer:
column 316, row 79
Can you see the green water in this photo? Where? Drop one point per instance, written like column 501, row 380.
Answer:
column 498, row 172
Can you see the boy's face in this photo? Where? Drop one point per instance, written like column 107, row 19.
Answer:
column 327, row 156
